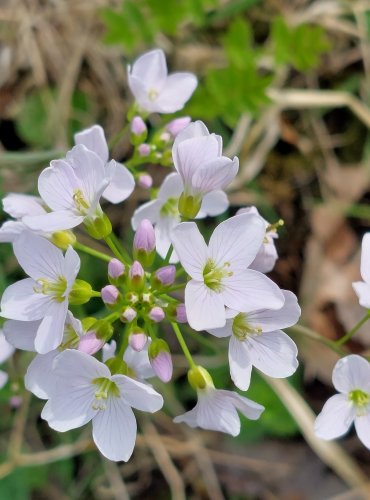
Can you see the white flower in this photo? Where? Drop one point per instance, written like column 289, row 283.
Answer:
column 164, row 212
column 351, row 378
column 86, row 390
column 44, row 295
column 216, row 410
column 155, row 90
column 256, row 340
column 122, row 182
column 362, row 288
column 6, row 350
column 137, row 361
column 18, row 206
column 267, row 256
column 72, row 188
column 197, row 156
column 219, row 272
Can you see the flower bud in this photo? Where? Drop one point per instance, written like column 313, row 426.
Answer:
column 181, row 314
column 165, row 276
column 145, row 181
column 137, row 275
column 109, row 294
column 165, row 137
column 100, row 227
column 62, row 239
column 128, row 315
column 177, row 125
column 90, row 344
column 15, row 401
column 160, row 359
column 80, row 293
column 144, row 150
column 137, row 340
column 103, row 329
column 144, row 243
column 156, row 314
column 116, row 269
column 139, row 131
column 189, row 206
column 199, row 378
column 116, row 366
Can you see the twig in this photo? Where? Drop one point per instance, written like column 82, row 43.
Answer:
column 118, row 487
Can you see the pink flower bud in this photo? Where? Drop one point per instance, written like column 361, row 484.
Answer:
column 166, row 275
column 109, row 294
column 138, row 126
column 177, row 125
column 115, row 268
column 162, row 366
column 165, row 137
column 145, row 181
column 90, row 343
column 15, row 401
column 129, row 314
column 144, row 149
column 181, row 314
column 156, row 314
column 137, row 340
column 145, row 237
column 136, row 271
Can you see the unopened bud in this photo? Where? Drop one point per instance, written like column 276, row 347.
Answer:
column 160, row 359
column 156, row 314
column 90, row 343
column 62, row 239
column 144, row 150
column 144, row 243
column 165, row 276
column 100, row 227
column 181, row 314
column 189, row 205
column 80, row 293
column 116, row 366
column 139, row 131
column 116, row 269
column 137, row 275
column 138, row 340
column 165, row 137
column 177, row 125
column 129, row 314
column 103, row 329
column 15, row 401
column 109, row 294
column 145, row 181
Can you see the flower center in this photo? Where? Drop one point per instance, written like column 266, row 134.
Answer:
column 54, row 288
column 80, row 202
column 242, row 330
column 105, row 388
column 213, row 275
column 170, row 208
column 152, row 94
column 360, row 400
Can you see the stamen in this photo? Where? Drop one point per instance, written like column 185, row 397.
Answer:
column 106, row 388
column 242, row 330
column 272, row 228
column 56, row 289
column 80, row 201
column 360, row 400
column 170, row 208
column 213, row 275
column 153, row 94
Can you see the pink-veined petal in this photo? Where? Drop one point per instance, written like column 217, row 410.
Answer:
column 57, row 184
column 204, row 307
column 93, row 138
column 214, row 203
column 190, row 248
column 269, row 320
column 215, row 175
column 50, row 332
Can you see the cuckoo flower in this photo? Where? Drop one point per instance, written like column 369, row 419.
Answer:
column 256, row 340
column 197, row 156
column 122, row 182
column 362, row 288
column 72, row 188
column 137, row 361
column 219, row 271
column 351, row 378
column 154, row 90
column 6, row 350
column 164, row 212
column 87, row 391
column 44, row 295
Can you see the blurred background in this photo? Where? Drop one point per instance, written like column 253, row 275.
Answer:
column 287, row 85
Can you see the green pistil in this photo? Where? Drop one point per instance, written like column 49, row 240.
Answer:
column 106, row 388
column 80, row 201
column 241, row 329
column 70, row 338
column 360, row 400
column 170, row 208
column 213, row 275
column 54, row 288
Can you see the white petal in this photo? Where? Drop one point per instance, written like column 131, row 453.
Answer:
column 18, row 205
column 21, row 334
column 252, row 290
column 6, row 349
column 176, row 91
column 56, row 185
column 139, row 362
column 3, row 378
column 240, row 364
column 352, row 372
column 53, row 221
column 163, row 233
column 10, row 230
column 38, row 257
column 19, row 301
column 109, row 350
column 214, row 203
column 138, row 395
column 149, row 210
column 224, row 331
column 266, row 258
column 191, row 248
column 151, row 68
column 365, row 258
column 195, row 129
column 237, row 241
column 249, row 408
column 121, row 185
column 215, row 175
column 71, row 266
column 362, row 426
column 171, row 187
column 204, row 307
column 114, row 430
column 335, row 418
column 362, row 291
column 269, row 320
column 39, row 378
column 94, row 139
column 50, row 332
column 274, row 353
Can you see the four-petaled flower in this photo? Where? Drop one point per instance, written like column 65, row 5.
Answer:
column 362, row 288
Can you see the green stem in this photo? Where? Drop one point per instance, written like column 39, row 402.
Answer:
column 120, row 247
column 124, row 343
column 95, row 294
column 350, row 334
column 307, row 332
column 91, row 251
column 109, row 241
column 183, row 345
column 116, row 138
column 112, row 317
column 176, row 287
column 168, row 255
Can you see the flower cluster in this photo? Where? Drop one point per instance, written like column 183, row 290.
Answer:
column 97, row 368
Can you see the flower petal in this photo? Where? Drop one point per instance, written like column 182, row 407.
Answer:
column 176, row 91
column 216, row 174
column 151, row 68
column 163, row 232
column 72, row 265
column 149, row 210
column 335, row 418
column 10, row 230
column 269, row 320
column 18, row 205
column 50, row 332
column 56, row 185
column 39, row 378
column 365, row 258
column 213, row 203
column 21, row 334
column 53, row 221
column 247, row 407
column 121, row 185
column 19, row 301
column 3, row 378
column 171, row 187
column 362, row 426
column 362, row 291
column 240, row 363
column 138, row 395
column 224, row 331
column 204, row 307
column 93, row 138
column 6, row 349
column 352, row 372
column 190, row 248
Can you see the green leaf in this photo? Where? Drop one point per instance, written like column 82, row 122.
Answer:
column 237, row 43
column 32, row 121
